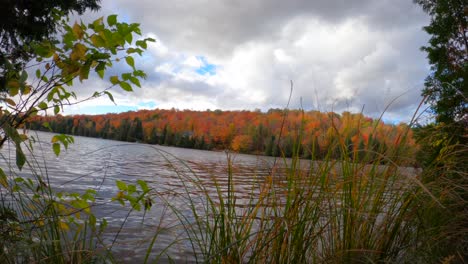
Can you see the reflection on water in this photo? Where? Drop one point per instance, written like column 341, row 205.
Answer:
column 96, row 164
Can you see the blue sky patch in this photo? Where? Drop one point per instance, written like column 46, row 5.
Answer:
column 147, row 104
column 104, row 109
column 206, row 68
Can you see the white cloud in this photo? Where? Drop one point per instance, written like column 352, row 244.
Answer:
column 340, row 55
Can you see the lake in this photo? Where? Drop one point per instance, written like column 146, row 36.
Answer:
column 92, row 163
column 177, row 177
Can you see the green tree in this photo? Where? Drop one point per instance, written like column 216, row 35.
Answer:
column 81, row 50
column 124, row 130
column 78, row 52
column 443, row 144
column 105, row 133
column 446, row 88
column 447, row 51
column 26, row 21
column 138, row 129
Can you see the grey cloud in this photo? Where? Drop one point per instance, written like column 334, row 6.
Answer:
column 217, row 27
column 395, row 14
column 377, row 59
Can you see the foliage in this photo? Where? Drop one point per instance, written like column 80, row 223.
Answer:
column 82, row 49
column 23, row 22
column 39, row 224
column 444, row 143
column 446, row 88
column 243, row 131
column 447, row 52
column 445, row 174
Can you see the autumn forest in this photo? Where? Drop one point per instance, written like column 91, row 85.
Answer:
column 274, row 133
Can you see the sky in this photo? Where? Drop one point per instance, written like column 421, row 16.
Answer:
column 360, row 55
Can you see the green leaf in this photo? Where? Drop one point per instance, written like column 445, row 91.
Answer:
column 121, row 185
column 127, row 87
column 137, row 30
column 84, row 72
column 23, row 77
column 126, row 76
column 44, row 49
column 136, row 206
column 43, row 105
column 98, row 41
column 129, row 38
column 20, row 157
column 139, row 73
column 100, row 69
column 130, row 61
column 68, row 40
column 38, row 73
column 131, row 188
column 97, row 24
column 26, row 89
column 62, row 138
column 13, row 91
column 143, row 185
column 135, row 81
column 50, row 96
column 101, row 74
column 92, row 221
column 103, row 225
column 133, row 50
column 110, row 96
column 56, row 109
column 112, row 20
column 114, row 80
column 141, row 43
column 56, row 148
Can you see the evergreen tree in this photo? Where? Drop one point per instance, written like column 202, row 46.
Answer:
column 123, row 130
column 138, row 129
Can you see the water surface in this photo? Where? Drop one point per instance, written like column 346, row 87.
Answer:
column 171, row 172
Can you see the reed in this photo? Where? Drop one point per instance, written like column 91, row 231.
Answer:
column 328, row 211
column 364, row 207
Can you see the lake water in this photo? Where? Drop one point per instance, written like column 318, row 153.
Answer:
column 171, row 173
column 96, row 164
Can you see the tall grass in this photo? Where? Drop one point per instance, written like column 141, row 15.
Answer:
column 303, row 211
column 328, row 211
column 443, row 224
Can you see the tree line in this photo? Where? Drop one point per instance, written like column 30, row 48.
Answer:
column 277, row 132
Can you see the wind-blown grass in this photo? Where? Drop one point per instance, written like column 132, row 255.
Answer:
column 332, row 211
column 303, row 211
